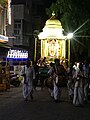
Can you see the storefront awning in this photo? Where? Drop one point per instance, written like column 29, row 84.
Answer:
column 3, row 39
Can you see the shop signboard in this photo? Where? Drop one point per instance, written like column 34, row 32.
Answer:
column 17, row 54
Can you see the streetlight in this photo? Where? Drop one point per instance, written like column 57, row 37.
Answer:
column 69, row 35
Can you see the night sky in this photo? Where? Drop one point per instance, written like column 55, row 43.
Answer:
column 43, row 3
column 40, row 9
column 47, row 3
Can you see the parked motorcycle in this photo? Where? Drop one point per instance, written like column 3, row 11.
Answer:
column 14, row 80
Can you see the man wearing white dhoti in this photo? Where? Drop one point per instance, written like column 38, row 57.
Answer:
column 70, row 86
column 78, row 87
column 59, row 73
column 28, row 81
column 85, row 79
column 50, row 80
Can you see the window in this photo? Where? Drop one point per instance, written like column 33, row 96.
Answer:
column 17, row 27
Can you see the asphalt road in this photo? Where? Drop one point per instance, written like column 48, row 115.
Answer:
column 13, row 107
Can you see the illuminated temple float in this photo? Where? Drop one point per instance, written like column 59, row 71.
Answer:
column 53, row 42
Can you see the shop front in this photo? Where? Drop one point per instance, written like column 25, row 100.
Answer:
column 4, row 65
column 3, row 46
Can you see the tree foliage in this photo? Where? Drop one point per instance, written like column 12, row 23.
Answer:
column 2, row 2
column 71, row 12
column 74, row 16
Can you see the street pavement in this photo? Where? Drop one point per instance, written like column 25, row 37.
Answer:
column 13, row 106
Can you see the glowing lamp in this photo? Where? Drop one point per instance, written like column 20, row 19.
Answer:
column 70, row 36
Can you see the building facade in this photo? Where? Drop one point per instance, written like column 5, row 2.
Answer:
column 4, row 23
column 21, row 26
column 27, row 18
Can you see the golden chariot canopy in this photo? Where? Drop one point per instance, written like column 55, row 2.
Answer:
column 53, row 41
column 52, row 29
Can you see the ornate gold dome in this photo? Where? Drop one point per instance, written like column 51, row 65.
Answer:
column 52, row 29
column 53, row 21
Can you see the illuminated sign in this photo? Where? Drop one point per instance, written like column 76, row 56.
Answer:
column 3, row 38
column 20, row 54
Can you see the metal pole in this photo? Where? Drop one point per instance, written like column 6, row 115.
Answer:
column 69, row 52
column 35, row 49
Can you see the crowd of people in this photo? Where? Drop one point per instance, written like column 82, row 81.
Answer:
column 77, row 77
column 78, row 83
